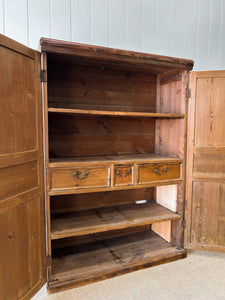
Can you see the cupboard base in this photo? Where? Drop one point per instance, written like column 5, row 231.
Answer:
column 88, row 263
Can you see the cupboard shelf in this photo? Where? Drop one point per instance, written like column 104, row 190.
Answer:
column 108, row 218
column 76, row 266
column 116, row 159
column 114, row 113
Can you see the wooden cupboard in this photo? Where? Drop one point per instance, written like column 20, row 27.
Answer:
column 115, row 123
column 109, row 154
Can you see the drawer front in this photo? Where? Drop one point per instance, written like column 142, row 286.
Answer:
column 123, row 175
column 88, row 177
column 158, row 172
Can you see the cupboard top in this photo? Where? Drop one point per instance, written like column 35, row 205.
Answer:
column 112, row 56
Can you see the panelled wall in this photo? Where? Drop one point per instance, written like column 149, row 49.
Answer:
column 183, row 28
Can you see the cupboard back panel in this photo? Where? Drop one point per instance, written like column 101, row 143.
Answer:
column 98, row 87
column 68, row 203
column 75, row 135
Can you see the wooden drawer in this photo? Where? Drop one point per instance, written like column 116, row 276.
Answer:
column 123, row 175
column 158, row 172
column 81, row 177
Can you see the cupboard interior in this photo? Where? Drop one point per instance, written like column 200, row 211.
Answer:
column 88, row 85
column 79, row 252
column 104, row 232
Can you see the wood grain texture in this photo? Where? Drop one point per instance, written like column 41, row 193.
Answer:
column 157, row 172
column 83, row 85
column 78, row 145
column 86, row 135
column 96, row 175
column 101, row 236
column 209, row 125
column 109, row 258
column 208, row 213
column 20, row 247
column 78, row 202
column 171, row 138
column 22, row 227
column 115, row 159
column 110, row 54
column 115, row 112
column 11, row 159
column 205, row 211
column 163, row 229
column 107, row 219
column 86, row 177
column 15, row 118
column 124, row 175
column 18, row 179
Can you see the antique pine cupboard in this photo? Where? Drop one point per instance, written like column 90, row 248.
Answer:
column 93, row 144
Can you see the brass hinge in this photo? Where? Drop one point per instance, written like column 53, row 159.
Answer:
column 43, row 76
column 48, row 261
column 188, row 93
column 183, row 224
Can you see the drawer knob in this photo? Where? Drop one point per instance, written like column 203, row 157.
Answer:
column 81, row 175
column 125, row 175
column 163, row 172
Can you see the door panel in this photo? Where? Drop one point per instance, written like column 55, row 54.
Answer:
column 22, row 228
column 206, row 162
column 208, row 213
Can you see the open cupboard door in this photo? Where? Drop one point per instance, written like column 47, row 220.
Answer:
column 206, row 162
column 22, row 213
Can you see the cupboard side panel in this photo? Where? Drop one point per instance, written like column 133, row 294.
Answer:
column 170, row 139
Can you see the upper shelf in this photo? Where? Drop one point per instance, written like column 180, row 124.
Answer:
column 114, row 113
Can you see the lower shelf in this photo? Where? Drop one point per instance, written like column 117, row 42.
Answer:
column 109, row 218
column 87, row 263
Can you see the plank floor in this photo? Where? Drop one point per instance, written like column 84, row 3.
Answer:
column 83, row 264
column 108, row 218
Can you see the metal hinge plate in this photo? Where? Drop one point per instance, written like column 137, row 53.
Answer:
column 183, row 224
column 188, row 93
column 43, row 76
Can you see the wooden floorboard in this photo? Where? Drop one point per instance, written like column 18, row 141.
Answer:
column 108, row 218
column 83, row 264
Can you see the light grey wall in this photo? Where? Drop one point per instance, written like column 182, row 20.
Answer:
column 184, row 28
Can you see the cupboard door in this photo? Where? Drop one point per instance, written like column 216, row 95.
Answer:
column 22, row 227
column 206, row 162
